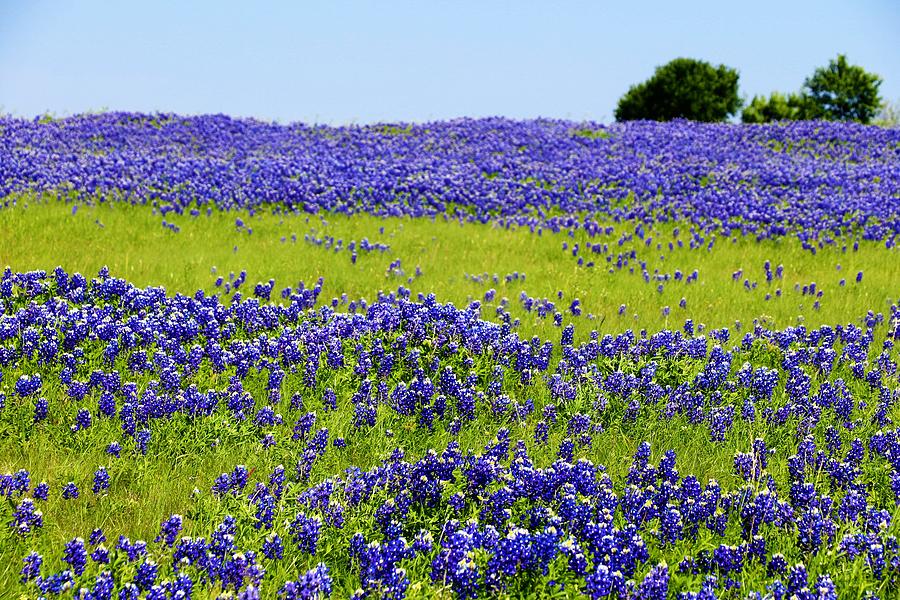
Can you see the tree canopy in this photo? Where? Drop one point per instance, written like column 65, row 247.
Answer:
column 777, row 107
column 684, row 88
column 842, row 92
column 838, row 92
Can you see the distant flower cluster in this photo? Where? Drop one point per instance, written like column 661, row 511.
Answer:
column 806, row 504
column 354, row 247
column 817, row 180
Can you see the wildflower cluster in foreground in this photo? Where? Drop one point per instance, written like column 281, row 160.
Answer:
column 811, row 179
column 413, row 445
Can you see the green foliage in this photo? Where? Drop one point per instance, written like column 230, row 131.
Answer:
column 684, row 88
column 888, row 115
column 394, row 129
column 187, row 453
column 838, row 92
column 43, row 233
column 842, row 92
column 777, row 107
column 591, row 134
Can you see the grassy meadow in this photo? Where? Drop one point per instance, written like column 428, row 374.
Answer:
column 457, row 263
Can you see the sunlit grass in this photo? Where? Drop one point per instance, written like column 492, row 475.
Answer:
column 185, row 455
column 132, row 242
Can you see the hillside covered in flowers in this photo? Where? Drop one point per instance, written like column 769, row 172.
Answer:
column 535, row 359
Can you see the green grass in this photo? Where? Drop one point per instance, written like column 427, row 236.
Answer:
column 593, row 134
column 184, row 455
column 134, row 245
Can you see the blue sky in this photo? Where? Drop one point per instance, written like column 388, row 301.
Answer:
column 342, row 61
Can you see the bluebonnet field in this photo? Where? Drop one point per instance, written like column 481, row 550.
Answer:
column 419, row 433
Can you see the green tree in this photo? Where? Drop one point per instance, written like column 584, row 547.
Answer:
column 888, row 115
column 777, row 107
column 842, row 92
column 683, row 88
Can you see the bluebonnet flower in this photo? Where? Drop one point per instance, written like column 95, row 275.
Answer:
column 566, row 450
column 70, row 491
column 28, row 385
column 655, row 585
column 707, row 590
column 169, row 530
column 265, row 417
column 329, row 399
column 455, row 564
column 26, row 518
column 146, row 575
column 82, row 420
column 142, row 438
column 671, row 525
column 75, row 554
column 265, row 509
column 42, row 491
column 107, row 404
column 744, row 465
column 575, row 556
column 604, row 582
column 57, row 583
column 16, row 484
column 97, row 537
column 134, row 550
column 305, row 532
column 814, row 528
column 100, row 554
column 720, row 421
column 103, row 587
column 315, row 583
column 303, row 426
column 101, row 480
column 777, row 565
column 31, row 567
column 40, row 409
column 457, row 502
column 272, row 547
column 525, row 515
column 233, row 482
